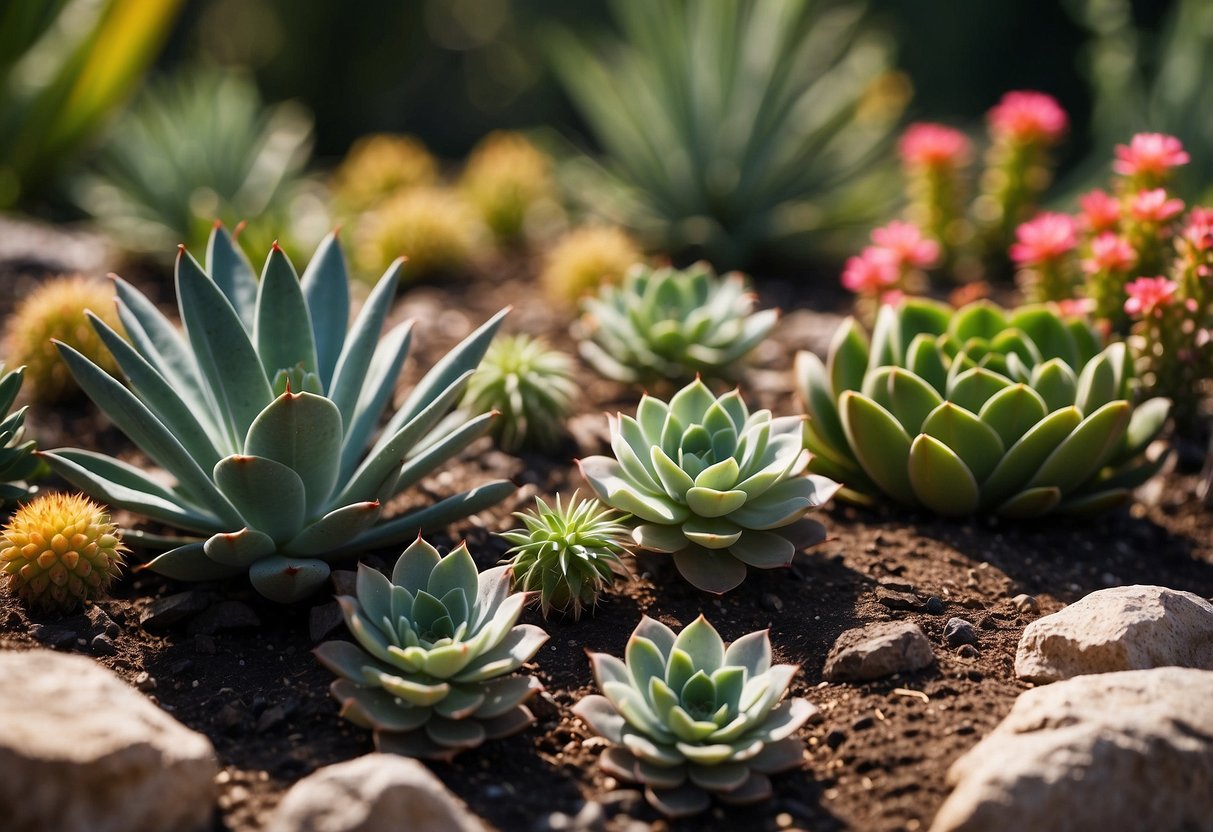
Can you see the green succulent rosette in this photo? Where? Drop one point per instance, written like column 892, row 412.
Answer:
column 691, row 718
column 265, row 411
column 17, row 460
column 438, row 644
column 1018, row 414
column 718, row 488
column 672, row 325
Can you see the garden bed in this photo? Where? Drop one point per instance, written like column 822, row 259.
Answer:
column 875, row 759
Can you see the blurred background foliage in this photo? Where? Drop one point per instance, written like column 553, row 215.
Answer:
column 451, row 71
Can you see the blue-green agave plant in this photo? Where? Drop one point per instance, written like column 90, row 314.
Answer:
column 689, row 717
column 17, row 460
column 716, row 487
column 433, row 672
column 265, row 412
column 978, row 410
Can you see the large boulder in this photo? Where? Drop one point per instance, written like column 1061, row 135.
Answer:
column 374, row 793
column 81, row 751
column 1126, row 751
column 1122, row 628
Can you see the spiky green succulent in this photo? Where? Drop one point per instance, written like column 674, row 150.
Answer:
column 530, row 385
column 438, row 644
column 568, row 554
column 691, row 718
column 263, row 410
column 17, row 460
column 978, row 410
column 670, row 324
column 713, row 485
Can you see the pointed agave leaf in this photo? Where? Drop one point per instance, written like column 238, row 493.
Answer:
column 334, row 531
column 975, row 442
column 911, row 399
column 848, row 357
column 941, row 480
column 190, row 563
column 351, row 370
column 303, row 432
column 233, row 274
column 287, row 580
column 442, row 450
column 1086, row 449
column 283, row 330
column 437, row 516
column 1097, row 384
column 377, row 391
column 326, row 288
column 269, row 495
column 880, row 443
column 1024, row 458
column 1013, row 411
column 1031, row 502
column 228, row 362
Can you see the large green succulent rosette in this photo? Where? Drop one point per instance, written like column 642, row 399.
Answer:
column 1018, row 414
column 265, row 413
column 718, row 488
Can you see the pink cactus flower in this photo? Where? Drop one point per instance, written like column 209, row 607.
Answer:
column 1076, row 307
column 1109, row 253
column 873, row 271
column 1029, row 117
column 1149, row 154
column 1154, row 206
column 1099, row 211
column 934, row 146
column 1149, row 295
column 892, row 297
column 907, row 243
column 1199, row 230
column 1044, row 239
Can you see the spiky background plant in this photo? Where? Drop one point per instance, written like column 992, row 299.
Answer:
column 711, row 484
column 378, row 166
column 569, row 555
column 736, row 129
column 672, row 325
column 263, row 413
column 438, row 644
column 691, row 718
column 59, row 550
column 584, row 258
column 978, row 410
column 505, row 178
column 17, row 460
column 197, row 146
column 531, row 387
column 433, row 227
column 55, row 311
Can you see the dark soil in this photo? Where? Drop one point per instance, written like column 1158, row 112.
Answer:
column 875, row 760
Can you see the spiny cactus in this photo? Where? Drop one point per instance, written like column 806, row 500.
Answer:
column 380, row 165
column 59, row 550
column 505, row 178
column 585, row 258
column 432, row 227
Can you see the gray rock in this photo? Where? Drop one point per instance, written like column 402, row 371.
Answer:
column 876, row 651
column 94, row 755
column 959, row 631
column 1122, row 628
column 374, row 793
column 226, row 615
column 163, row 613
column 54, row 635
column 899, row 599
column 103, row 645
column 1125, row 751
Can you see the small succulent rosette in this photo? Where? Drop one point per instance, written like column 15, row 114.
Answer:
column 438, row 644
column 718, row 488
column 690, row 718
column 1017, row 413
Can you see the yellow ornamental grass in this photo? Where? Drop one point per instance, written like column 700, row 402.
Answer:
column 432, row 227
column 55, row 310
column 59, row 550
column 585, row 258
column 379, row 166
column 505, row 177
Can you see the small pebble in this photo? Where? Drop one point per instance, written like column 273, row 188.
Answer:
column 771, row 601
column 144, row 681
column 103, row 645
column 863, row 723
column 935, row 605
column 1025, row 603
column 959, row 631
column 836, row 738
column 967, row 651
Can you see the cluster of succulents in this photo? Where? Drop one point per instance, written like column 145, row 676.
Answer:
column 690, row 717
column 977, row 410
column 716, row 487
column 672, row 325
column 56, row 311
column 59, row 550
column 17, row 460
column 569, row 555
column 438, row 644
column 530, row 385
column 263, row 411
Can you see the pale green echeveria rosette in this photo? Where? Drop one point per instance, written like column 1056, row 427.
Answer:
column 265, row 412
column 718, row 488
column 691, row 718
column 1018, row 414
column 438, row 644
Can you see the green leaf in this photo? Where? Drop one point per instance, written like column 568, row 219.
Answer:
column 813, row 384
column 1056, row 384
column 923, row 359
column 920, row 316
column 1013, row 411
column 437, row 516
column 1097, row 384
column 303, row 432
column 1086, row 340
column 1147, row 423
column 287, row 580
column 707, row 502
column 283, row 330
column 1086, row 449
column 700, row 641
column 884, row 350
column 350, row 371
column 880, row 443
column 1097, row 503
column 975, row 442
column 326, row 288
column 242, row 548
column 377, row 391
column 268, row 494
column 190, row 563
column 980, row 319
column 334, row 531
column 1048, row 333
column 233, row 274
column 911, row 399
column 440, row 451
column 941, row 480
column 1025, row 457
column 848, row 357
column 1032, row 502
column 455, row 571
column 973, row 388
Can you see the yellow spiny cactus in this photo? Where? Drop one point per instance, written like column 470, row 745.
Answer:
column 505, row 177
column 433, row 227
column 379, row 166
column 584, row 258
